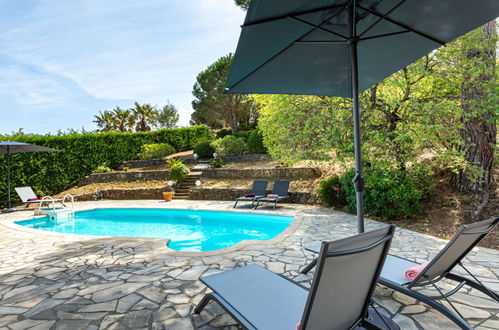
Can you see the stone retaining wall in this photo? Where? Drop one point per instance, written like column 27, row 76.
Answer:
column 151, row 162
column 124, row 194
column 229, row 194
column 124, row 176
column 221, row 194
column 262, row 173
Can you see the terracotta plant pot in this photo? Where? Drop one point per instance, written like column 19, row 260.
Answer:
column 167, row 196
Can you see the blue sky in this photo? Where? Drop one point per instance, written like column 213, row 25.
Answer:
column 63, row 61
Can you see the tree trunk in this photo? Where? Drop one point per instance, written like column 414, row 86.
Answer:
column 480, row 130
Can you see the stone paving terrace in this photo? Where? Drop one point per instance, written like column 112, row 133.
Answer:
column 54, row 281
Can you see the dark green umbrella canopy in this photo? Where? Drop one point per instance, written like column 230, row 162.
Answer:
column 12, row 147
column 303, row 46
column 343, row 47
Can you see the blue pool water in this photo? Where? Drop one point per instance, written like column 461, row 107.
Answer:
column 189, row 230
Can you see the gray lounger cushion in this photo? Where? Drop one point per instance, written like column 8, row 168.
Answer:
column 263, row 291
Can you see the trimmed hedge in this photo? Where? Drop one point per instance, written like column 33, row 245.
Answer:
column 52, row 172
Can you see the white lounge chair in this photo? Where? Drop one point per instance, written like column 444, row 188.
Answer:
column 28, row 196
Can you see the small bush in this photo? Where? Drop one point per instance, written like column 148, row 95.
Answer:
column 230, row 146
column 331, row 192
column 103, row 168
column 204, row 150
column 217, row 163
column 255, row 143
column 243, row 135
column 223, row 132
column 178, row 171
column 390, row 193
column 156, row 150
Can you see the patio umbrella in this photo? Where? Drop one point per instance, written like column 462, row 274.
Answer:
column 12, row 147
column 343, row 47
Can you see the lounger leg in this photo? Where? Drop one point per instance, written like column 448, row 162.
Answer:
column 309, row 266
column 275, row 204
column 235, row 204
column 202, row 304
column 257, row 203
column 430, row 302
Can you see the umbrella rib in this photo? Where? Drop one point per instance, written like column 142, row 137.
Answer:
column 318, row 27
column 382, row 18
column 405, row 26
column 310, row 11
column 320, row 41
column 384, row 35
column 287, row 47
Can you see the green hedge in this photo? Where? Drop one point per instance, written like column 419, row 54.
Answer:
column 52, row 172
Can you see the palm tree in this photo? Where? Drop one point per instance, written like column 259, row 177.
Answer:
column 124, row 119
column 105, row 121
column 145, row 114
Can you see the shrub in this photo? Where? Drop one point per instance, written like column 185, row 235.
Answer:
column 255, row 143
column 223, row 132
column 390, row 193
column 331, row 192
column 230, row 146
column 155, row 150
column 102, row 169
column 204, row 150
column 174, row 161
column 243, row 135
column 217, row 163
column 178, row 172
column 54, row 172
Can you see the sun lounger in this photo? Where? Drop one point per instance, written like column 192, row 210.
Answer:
column 440, row 267
column 28, row 196
column 339, row 297
column 279, row 193
column 258, row 190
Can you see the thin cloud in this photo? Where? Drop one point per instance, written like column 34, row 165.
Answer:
column 125, row 51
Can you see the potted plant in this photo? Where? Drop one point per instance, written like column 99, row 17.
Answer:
column 168, row 193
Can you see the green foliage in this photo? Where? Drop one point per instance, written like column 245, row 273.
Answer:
column 331, row 192
column 255, row 143
column 244, row 4
column 204, row 150
column 156, row 150
column 223, row 132
column 212, row 107
column 174, row 162
column 217, row 163
column 167, row 117
column 81, row 154
column 390, row 193
column 102, row 169
column 178, row 171
column 230, row 146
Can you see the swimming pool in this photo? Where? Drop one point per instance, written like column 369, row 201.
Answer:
column 189, row 230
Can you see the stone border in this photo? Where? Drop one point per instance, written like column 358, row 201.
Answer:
column 284, row 173
column 292, row 227
column 230, row 194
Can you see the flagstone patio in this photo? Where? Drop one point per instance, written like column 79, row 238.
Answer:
column 51, row 281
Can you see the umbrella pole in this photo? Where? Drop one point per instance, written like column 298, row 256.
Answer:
column 8, row 176
column 358, row 180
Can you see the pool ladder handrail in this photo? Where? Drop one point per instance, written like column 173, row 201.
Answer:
column 50, row 199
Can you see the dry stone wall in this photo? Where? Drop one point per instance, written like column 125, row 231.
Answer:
column 262, row 173
column 125, row 176
column 229, row 194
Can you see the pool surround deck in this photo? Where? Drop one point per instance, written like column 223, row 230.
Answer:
column 50, row 280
